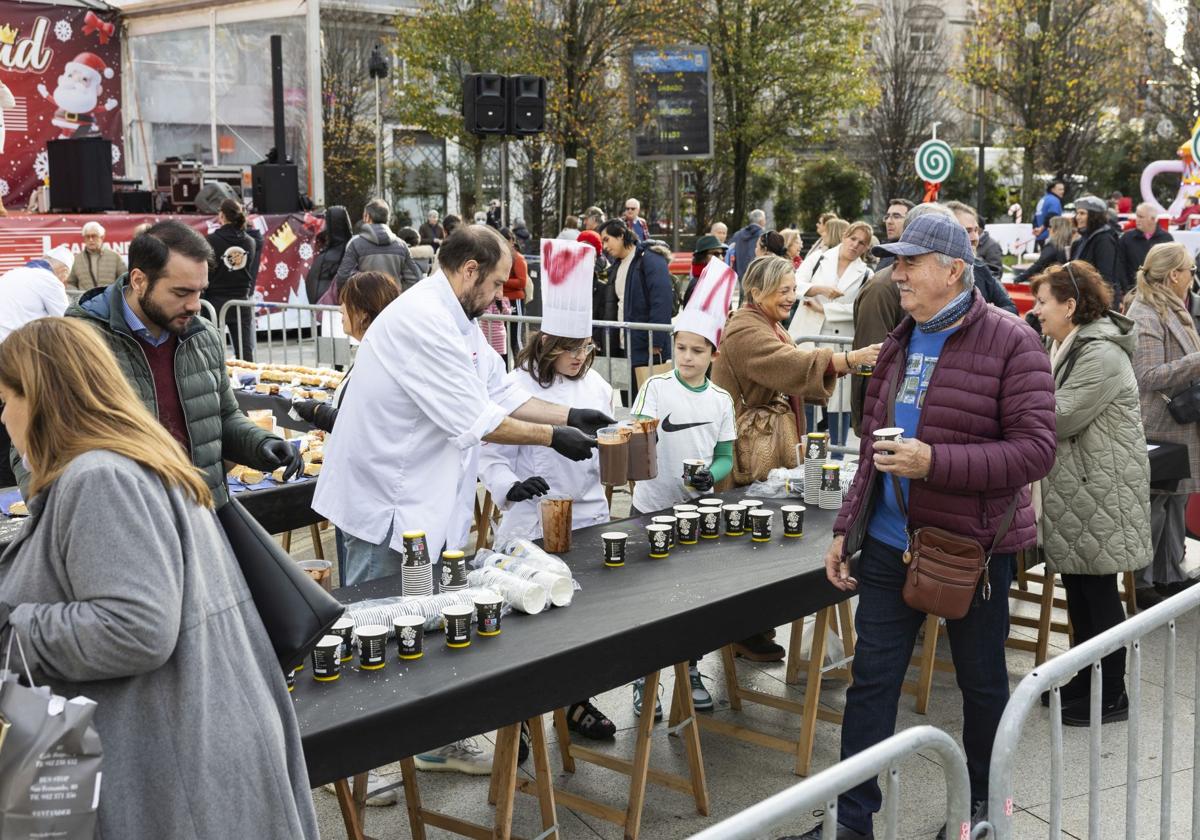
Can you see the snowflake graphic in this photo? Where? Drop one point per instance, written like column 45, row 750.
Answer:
column 62, row 31
column 116, row 154
column 408, row 635
column 306, row 250
column 281, row 271
column 41, row 166
column 3, row 187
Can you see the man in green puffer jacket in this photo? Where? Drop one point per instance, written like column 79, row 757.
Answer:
column 176, row 361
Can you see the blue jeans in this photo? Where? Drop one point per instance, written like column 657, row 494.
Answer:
column 887, row 632
column 838, row 422
column 366, row 561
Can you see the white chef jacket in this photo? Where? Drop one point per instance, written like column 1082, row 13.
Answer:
column 500, row 465
column 27, row 293
column 427, row 388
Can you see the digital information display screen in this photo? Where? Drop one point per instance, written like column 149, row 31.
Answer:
column 672, row 103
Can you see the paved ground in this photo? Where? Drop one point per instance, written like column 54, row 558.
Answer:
column 740, row 775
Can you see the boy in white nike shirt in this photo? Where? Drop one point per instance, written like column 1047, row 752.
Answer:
column 695, row 422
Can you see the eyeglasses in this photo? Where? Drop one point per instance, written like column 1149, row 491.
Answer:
column 631, row 209
column 582, row 352
column 1071, row 274
column 894, row 217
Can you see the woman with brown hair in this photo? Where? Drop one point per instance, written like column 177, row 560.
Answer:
column 1167, row 363
column 122, row 588
column 1096, row 499
column 769, row 378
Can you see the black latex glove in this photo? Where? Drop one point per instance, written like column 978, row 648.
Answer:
column 588, row 420
column 318, row 414
column 306, row 410
column 572, row 443
column 523, row 490
column 279, row 453
column 702, row 480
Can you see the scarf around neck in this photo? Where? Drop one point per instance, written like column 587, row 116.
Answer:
column 950, row 313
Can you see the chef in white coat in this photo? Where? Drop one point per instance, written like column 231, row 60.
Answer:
column 428, row 390
column 555, row 365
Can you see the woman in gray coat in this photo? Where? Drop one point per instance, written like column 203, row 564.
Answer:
column 122, row 589
column 1167, row 362
column 1096, row 499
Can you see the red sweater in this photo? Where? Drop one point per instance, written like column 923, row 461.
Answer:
column 518, row 276
column 166, row 391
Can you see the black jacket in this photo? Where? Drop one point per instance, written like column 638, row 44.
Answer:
column 604, row 308
column 1100, row 249
column 1050, row 256
column 991, row 253
column 1132, row 248
column 991, row 289
column 649, row 299
column 234, row 264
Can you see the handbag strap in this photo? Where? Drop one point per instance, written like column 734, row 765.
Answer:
column 1009, row 513
column 12, row 635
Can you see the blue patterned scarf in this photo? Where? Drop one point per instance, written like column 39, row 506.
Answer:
column 950, row 313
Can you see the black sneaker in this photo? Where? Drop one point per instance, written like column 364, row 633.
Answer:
column 843, row 833
column 1080, row 712
column 758, row 648
column 1147, row 597
column 978, row 815
column 1072, row 692
column 590, row 722
column 524, row 743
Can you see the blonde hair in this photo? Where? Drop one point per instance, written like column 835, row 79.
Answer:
column 79, row 401
column 835, row 229
column 764, row 276
column 1154, row 275
column 789, row 235
column 1062, row 231
column 857, row 226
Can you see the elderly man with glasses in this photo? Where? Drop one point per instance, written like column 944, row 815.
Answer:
column 634, row 221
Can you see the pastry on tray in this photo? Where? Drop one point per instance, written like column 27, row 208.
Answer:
column 18, row 509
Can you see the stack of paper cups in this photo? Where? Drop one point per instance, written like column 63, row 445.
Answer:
column 831, row 487
column 521, row 594
column 816, row 453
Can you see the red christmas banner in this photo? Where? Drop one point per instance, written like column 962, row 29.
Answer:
column 60, row 76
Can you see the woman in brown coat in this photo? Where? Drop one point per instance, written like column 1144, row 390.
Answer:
column 1167, row 362
column 769, row 378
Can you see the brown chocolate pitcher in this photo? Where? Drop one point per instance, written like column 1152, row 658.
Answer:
column 643, row 450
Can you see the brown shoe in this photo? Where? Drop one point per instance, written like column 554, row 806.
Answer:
column 758, row 648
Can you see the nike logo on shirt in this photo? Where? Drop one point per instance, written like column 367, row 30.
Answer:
column 668, row 426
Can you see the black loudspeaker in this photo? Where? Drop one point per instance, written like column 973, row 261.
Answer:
column 134, row 201
column 485, row 109
column 80, row 174
column 526, row 105
column 209, row 199
column 276, row 187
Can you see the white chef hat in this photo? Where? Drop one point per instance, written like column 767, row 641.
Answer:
column 708, row 306
column 62, row 254
column 567, row 270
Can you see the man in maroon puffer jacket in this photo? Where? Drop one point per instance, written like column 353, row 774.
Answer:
column 975, row 399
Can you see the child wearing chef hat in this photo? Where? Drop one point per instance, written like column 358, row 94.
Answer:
column 555, row 365
column 696, row 420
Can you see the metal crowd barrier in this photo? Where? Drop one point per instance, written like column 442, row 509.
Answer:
column 822, row 789
column 294, row 334
column 206, row 308
column 1050, row 675
column 835, row 341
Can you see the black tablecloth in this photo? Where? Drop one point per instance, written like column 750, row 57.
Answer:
column 623, row 624
column 251, row 401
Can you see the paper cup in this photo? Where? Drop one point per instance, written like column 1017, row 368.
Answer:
column 688, row 527
column 690, row 465
column 416, row 550
column 750, row 504
column 831, row 479
column 556, row 523
column 325, row 659
column 816, row 446
column 487, row 613
column 710, row 522
column 614, row 547
column 291, row 680
column 890, row 433
column 760, row 524
column 410, row 635
column 735, row 520
column 454, row 571
column 711, row 501
column 320, row 571
column 343, row 628
column 372, row 646
column 793, row 520
column 668, row 520
column 457, row 618
column 684, row 508
column 660, row 539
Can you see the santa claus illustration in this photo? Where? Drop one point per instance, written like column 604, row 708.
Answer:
column 78, row 95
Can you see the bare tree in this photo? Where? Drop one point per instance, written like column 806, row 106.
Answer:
column 346, row 110
column 909, row 53
column 1173, row 89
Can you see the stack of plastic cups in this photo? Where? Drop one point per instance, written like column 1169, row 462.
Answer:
column 816, row 453
column 417, row 572
column 831, row 487
column 454, row 571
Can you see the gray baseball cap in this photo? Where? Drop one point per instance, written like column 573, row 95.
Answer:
column 1091, row 203
column 932, row 233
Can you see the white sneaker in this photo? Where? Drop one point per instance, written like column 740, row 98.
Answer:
column 374, row 783
column 465, row 756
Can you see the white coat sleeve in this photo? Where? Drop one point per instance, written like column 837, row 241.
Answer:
column 54, row 298
column 426, row 361
column 504, row 390
column 804, row 274
column 496, row 462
